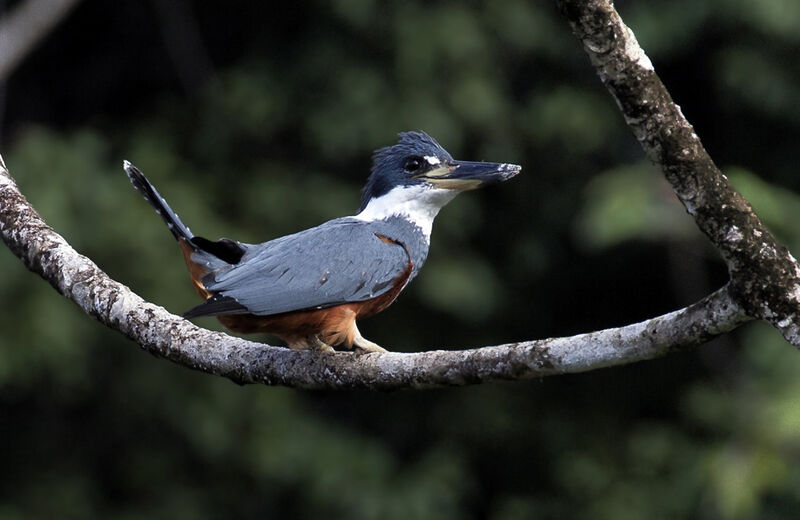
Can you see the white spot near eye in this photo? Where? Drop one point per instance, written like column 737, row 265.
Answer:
column 433, row 161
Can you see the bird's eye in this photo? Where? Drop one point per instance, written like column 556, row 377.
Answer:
column 412, row 164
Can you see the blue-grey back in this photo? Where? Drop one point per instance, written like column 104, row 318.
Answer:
column 341, row 261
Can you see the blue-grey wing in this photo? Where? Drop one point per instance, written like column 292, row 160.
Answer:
column 342, row 261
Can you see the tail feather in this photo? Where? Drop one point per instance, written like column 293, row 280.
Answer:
column 212, row 255
column 151, row 195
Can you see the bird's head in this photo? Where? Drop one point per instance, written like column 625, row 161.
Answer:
column 420, row 169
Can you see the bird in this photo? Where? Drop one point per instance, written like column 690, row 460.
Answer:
column 310, row 287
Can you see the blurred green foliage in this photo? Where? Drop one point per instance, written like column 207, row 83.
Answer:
column 589, row 236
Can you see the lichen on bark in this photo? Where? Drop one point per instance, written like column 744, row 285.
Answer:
column 764, row 276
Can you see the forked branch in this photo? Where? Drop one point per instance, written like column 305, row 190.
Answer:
column 78, row 278
column 765, row 279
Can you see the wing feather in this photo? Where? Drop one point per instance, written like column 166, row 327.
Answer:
column 341, row 261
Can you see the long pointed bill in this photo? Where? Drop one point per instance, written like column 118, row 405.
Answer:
column 468, row 175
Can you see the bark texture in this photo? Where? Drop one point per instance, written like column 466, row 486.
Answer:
column 76, row 277
column 765, row 278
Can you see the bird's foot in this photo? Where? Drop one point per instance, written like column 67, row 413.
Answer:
column 361, row 345
column 312, row 343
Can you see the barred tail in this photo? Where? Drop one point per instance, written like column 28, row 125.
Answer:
column 152, row 196
column 214, row 254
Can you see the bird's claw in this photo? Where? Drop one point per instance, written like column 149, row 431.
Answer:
column 367, row 347
column 314, row 343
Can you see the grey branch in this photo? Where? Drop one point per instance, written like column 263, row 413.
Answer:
column 76, row 277
column 765, row 278
column 21, row 30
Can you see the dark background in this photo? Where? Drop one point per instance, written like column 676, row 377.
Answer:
column 258, row 119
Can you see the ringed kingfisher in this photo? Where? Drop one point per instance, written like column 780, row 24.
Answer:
column 309, row 288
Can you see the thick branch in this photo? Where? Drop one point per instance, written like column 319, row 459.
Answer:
column 765, row 278
column 159, row 332
column 28, row 24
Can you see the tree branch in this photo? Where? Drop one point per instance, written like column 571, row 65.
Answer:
column 21, row 30
column 76, row 277
column 765, row 278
